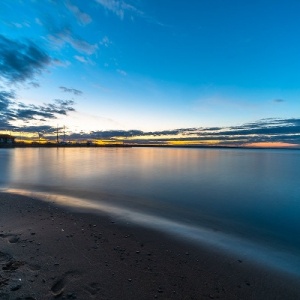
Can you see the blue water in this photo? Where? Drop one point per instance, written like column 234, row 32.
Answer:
column 251, row 197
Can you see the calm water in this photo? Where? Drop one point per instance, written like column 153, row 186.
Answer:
column 252, row 196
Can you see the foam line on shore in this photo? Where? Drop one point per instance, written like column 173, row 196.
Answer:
column 272, row 258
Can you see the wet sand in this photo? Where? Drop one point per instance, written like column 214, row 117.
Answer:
column 50, row 252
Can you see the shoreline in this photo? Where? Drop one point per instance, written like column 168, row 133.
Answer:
column 50, row 252
column 207, row 236
column 84, row 145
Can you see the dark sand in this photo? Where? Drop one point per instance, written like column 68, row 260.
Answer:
column 48, row 252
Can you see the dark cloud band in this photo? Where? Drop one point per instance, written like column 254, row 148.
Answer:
column 11, row 110
column 20, row 61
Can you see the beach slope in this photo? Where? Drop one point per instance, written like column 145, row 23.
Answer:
column 50, row 252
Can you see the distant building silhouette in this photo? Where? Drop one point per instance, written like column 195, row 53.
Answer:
column 6, row 140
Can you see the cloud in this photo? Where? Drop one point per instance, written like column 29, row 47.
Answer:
column 278, row 100
column 105, row 41
column 39, row 128
column 80, row 58
column 262, row 131
column 119, row 7
column 19, row 25
column 122, row 72
column 115, row 134
column 20, row 61
column 83, row 59
column 38, row 21
column 34, row 84
column 6, row 100
column 42, row 112
column 73, row 91
column 83, row 18
column 11, row 110
column 64, row 35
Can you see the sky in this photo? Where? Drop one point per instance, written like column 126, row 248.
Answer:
column 152, row 71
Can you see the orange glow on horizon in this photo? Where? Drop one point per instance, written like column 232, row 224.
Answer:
column 107, row 142
column 270, row 145
column 195, row 142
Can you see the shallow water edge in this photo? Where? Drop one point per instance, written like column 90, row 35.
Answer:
column 268, row 257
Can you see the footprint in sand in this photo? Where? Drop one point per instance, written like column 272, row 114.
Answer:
column 34, row 267
column 59, row 286
column 8, row 263
column 12, row 238
column 12, row 265
column 93, row 288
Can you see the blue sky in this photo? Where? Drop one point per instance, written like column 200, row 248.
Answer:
column 148, row 65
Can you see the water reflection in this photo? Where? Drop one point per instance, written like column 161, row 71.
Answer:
column 251, row 193
column 5, row 167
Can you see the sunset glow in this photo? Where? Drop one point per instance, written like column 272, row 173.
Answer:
column 143, row 72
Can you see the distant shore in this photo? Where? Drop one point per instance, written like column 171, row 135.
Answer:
column 112, row 145
column 51, row 252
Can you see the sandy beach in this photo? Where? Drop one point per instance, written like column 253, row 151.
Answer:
column 50, row 252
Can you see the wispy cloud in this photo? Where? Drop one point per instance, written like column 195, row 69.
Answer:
column 20, row 61
column 71, row 90
column 119, row 7
column 82, row 17
column 83, row 59
column 278, row 100
column 64, row 35
column 38, row 21
column 105, row 42
column 20, row 25
column 122, row 72
column 34, row 84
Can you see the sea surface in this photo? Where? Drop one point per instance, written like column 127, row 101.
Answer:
column 245, row 201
